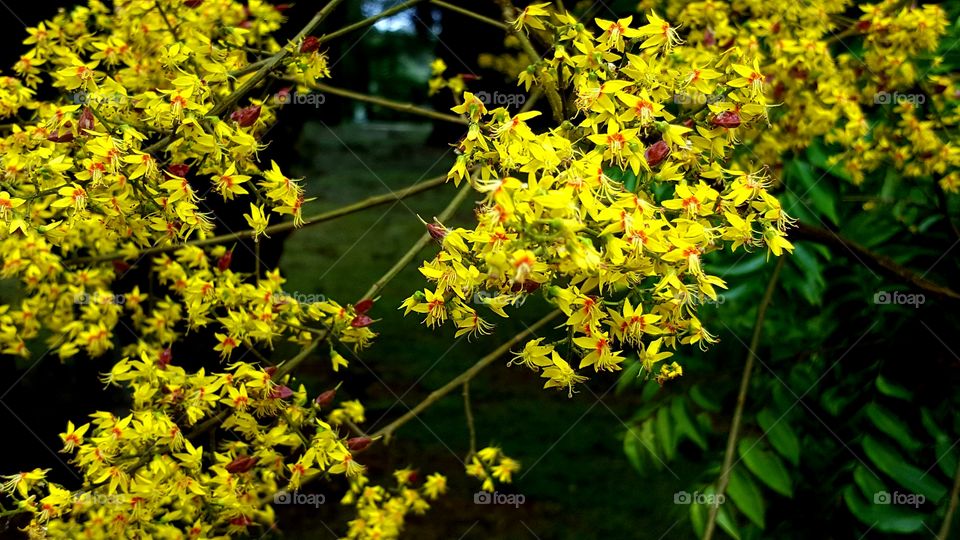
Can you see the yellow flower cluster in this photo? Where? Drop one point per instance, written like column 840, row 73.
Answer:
column 381, row 512
column 101, row 171
column 822, row 88
column 610, row 214
column 118, row 115
column 491, row 465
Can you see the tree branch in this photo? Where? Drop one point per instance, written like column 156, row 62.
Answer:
column 388, row 103
column 873, row 260
column 742, row 399
column 364, row 204
column 387, row 431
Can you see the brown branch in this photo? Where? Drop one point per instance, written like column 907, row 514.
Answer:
column 549, row 87
column 468, row 13
column 388, row 103
column 364, row 204
column 944, row 532
column 457, row 382
column 421, row 243
column 273, row 61
column 742, row 399
column 873, row 260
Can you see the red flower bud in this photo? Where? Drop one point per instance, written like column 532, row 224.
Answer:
column 656, row 153
column 359, row 444
column 166, row 356
column 281, row 392
column 270, row 371
column 413, row 477
column 241, row 464
column 192, row 3
column 246, row 116
column 179, row 169
column 86, row 120
column 361, row 321
column 61, row 136
column 241, row 521
column 363, row 306
column 708, row 38
column 727, row 119
column 310, row 44
column 282, row 7
column 527, row 286
column 224, row 261
column 120, row 267
column 437, row 232
column 325, row 398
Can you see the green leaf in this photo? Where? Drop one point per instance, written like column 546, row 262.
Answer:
column 746, row 495
column 702, row 400
column 665, row 435
column 684, row 424
column 887, row 518
column 631, row 448
column 766, row 466
column 888, row 388
column 888, row 423
column 894, row 465
column 726, row 523
column 816, row 188
column 781, row 436
column 869, row 484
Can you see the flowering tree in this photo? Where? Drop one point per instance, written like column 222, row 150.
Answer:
column 659, row 150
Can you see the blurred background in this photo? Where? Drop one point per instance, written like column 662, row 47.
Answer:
column 851, row 397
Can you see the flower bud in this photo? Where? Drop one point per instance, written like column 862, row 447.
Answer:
column 224, row 261
column 310, row 44
column 325, row 398
column 281, row 392
column 179, row 169
column 166, row 356
column 359, row 444
column 727, row 119
column 246, row 116
column 437, row 232
column 241, row 464
column 361, row 321
column 86, row 120
column 363, row 306
column 657, row 153
column 192, row 3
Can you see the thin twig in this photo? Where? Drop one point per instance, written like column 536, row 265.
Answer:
column 387, row 431
column 471, row 427
column 388, row 103
column 874, row 260
column 951, row 509
column 468, row 13
column 742, row 399
column 364, row 204
column 421, row 243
